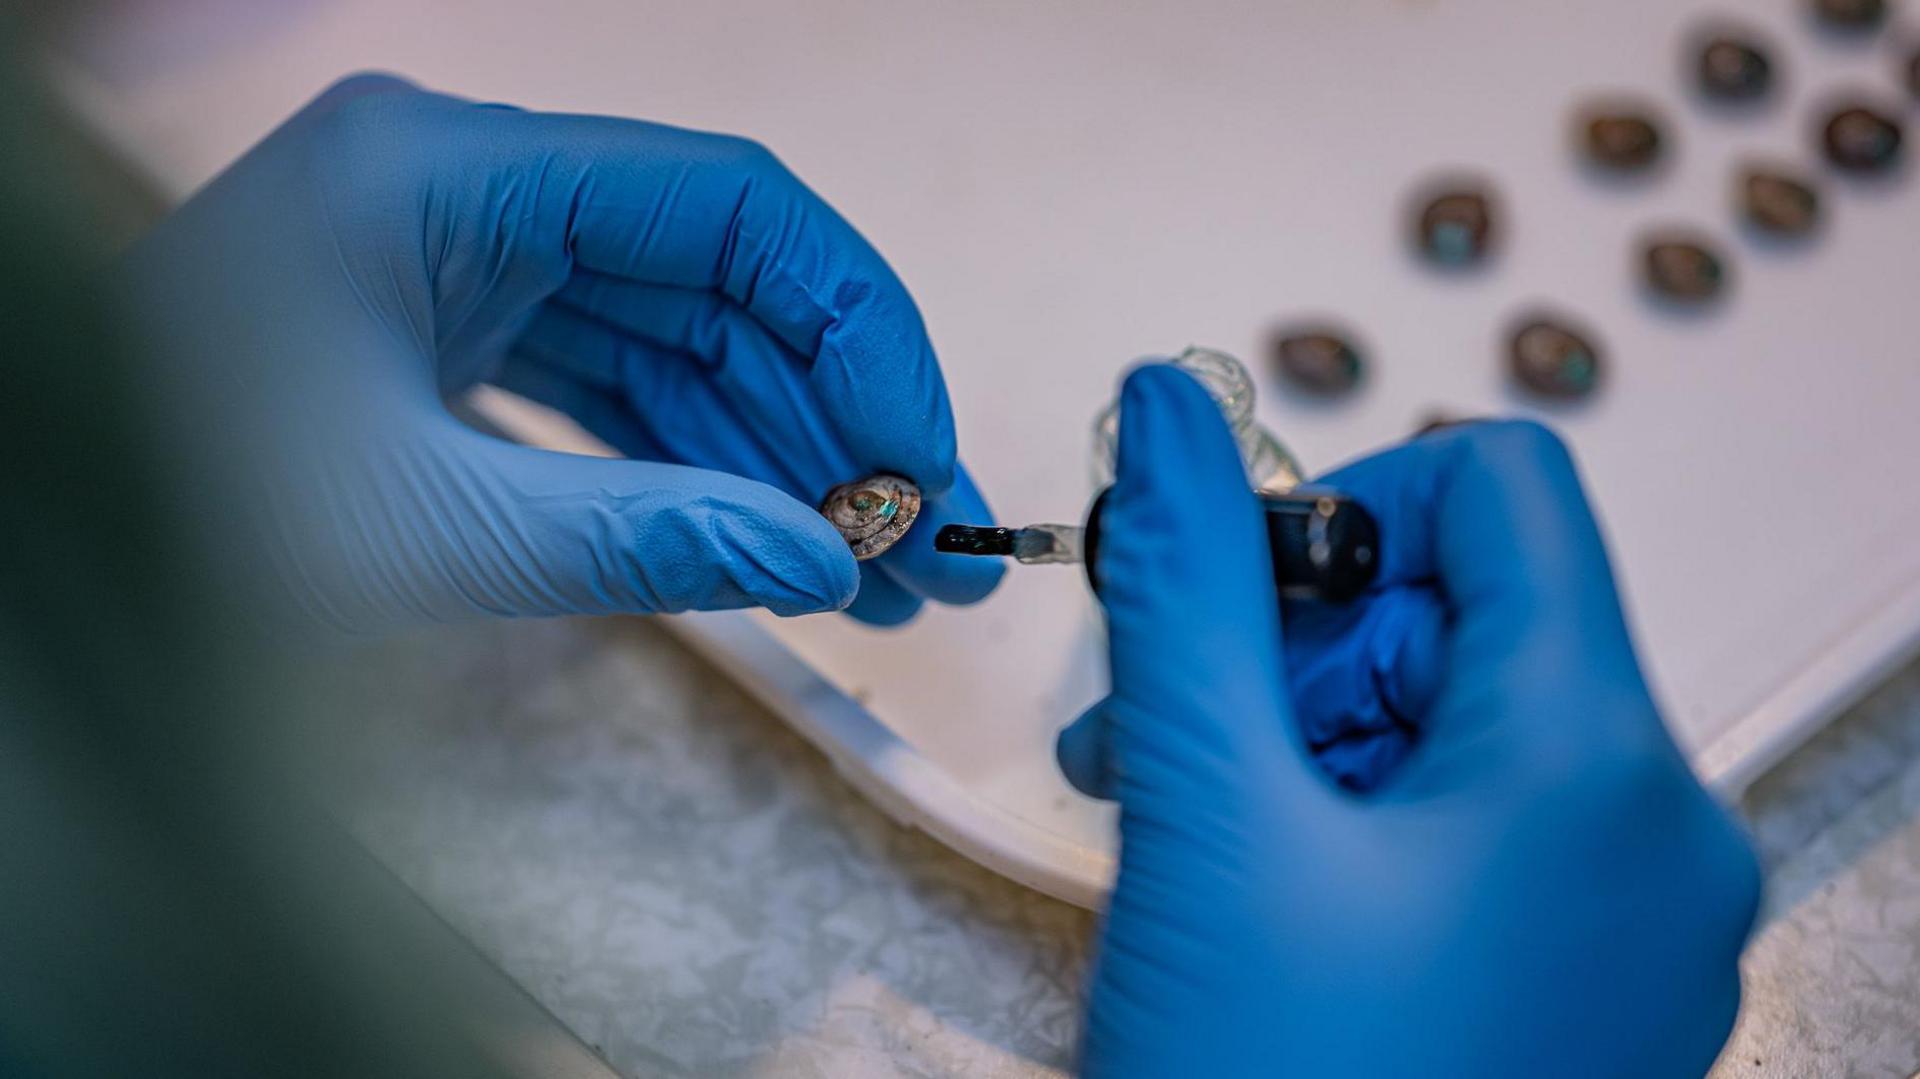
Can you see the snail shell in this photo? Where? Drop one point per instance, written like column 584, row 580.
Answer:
column 872, row 514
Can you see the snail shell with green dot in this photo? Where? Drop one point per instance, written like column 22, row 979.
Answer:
column 872, row 514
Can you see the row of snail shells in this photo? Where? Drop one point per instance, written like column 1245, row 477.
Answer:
column 872, row 514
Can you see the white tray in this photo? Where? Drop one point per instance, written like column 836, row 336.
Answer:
column 1066, row 187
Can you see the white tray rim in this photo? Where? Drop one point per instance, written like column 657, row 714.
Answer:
column 917, row 793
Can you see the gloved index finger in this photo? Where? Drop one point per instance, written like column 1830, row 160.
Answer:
column 668, row 206
column 1198, row 705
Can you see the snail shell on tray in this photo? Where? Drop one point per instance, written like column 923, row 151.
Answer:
column 872, row 514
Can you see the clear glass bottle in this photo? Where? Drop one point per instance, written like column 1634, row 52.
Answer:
column 1270, row 467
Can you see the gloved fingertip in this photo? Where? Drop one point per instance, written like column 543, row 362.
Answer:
column 881, row 601
column 822, row 591
column 362, row 84
column 1081, row 752
column 956, row 580
column 714, row 533
column 1152, row 387
column 810, row 572
column 937, row 472
column 1172, row 435
column 962, row 581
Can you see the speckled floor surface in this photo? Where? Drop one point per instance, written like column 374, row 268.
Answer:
column 689, row 887
column 1833, row 980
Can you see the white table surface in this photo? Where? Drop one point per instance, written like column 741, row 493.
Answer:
column 694, row 892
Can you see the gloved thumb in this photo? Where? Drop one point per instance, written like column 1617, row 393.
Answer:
column 586, row 535
column 466, row 525
column 1199, row 703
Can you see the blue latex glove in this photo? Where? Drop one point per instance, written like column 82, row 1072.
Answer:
column 680, row 294
column 1540, row 887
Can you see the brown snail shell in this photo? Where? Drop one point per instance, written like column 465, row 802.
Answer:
column 872, row 514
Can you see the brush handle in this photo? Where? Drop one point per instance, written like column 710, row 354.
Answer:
column 1325, row 545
